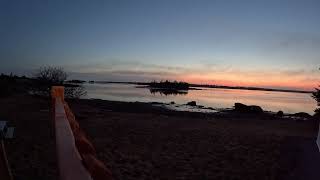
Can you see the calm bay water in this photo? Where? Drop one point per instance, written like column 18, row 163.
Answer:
column 208, row 97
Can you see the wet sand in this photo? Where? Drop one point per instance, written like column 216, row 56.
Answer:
column 139, row 141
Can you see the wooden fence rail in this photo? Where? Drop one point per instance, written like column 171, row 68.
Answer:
column 76, row 154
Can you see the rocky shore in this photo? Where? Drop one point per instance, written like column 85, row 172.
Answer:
column 147, row 141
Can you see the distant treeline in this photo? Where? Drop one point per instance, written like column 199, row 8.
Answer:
column 75, row 81
column 10, row 84
column 11, row 76
column 248, row 88
column 13, row 84
column 175, row 85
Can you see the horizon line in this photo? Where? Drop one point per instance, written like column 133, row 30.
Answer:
column 251, row 88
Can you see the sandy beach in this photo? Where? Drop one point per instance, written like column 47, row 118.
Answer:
column 140, row 141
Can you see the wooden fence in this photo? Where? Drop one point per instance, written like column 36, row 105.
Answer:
column 76, row 154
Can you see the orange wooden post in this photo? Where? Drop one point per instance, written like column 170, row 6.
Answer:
column 58, row 92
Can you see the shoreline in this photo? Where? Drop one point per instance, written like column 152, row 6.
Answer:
column 173, row 108
column 141, row 141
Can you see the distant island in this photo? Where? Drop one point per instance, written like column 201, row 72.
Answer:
column 174, row 85
column 167, row 87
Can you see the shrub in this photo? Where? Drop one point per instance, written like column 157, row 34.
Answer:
column 316, row 96
column 49, row 76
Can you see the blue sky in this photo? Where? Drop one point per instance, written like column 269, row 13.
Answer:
column 207, row 41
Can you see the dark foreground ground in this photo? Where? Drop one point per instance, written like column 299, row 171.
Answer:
column 31, row 153
column 138, row 141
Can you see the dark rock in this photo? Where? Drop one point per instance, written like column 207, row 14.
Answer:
column 279, row 114
column 172, row 102
column 239, row 107
column 192, row 103
column 200, row 106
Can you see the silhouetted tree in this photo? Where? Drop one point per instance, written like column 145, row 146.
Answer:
column 316, row 96
column 49, row 76
column 46, row 77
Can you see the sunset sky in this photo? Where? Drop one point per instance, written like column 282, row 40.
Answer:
column 274, row 43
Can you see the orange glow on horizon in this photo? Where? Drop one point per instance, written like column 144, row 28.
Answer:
column 281, row 78
column 285, row 82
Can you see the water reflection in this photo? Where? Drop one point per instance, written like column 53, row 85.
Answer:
column 167, row 92
column 216, row 98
